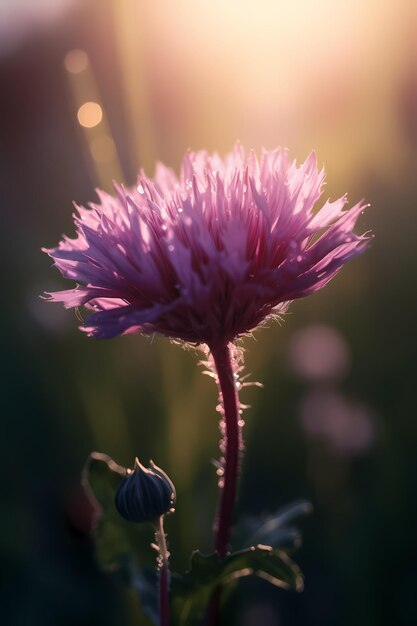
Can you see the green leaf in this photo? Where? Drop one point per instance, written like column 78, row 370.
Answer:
column 120, row 545
column 191, row 592
column 273, row 530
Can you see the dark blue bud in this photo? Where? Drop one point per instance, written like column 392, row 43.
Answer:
column 144, row 494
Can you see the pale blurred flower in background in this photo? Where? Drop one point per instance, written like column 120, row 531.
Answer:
column 319, row 352
column 346, row 427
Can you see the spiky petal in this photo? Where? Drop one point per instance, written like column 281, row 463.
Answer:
column 208, row 256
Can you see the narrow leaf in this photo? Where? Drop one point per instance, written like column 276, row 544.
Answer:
column 191, row 592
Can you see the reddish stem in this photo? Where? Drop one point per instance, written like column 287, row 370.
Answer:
column 163, row 596
column 223, row 361
column 213, row 609
column 163, row 573
column 232, row 445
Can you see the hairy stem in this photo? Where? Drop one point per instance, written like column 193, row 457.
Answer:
column 231, row 447
column 231, row 444
column 163, row 573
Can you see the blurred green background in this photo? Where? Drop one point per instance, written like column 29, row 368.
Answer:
column 336, row 420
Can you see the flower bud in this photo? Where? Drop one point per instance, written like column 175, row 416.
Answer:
column 144, row 494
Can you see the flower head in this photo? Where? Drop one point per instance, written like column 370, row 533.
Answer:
column 144, row 494
column 210, row 255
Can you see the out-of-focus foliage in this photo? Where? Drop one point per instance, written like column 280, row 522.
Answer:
column 123, row 547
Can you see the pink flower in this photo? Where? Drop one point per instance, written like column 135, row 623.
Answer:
column 208, row 256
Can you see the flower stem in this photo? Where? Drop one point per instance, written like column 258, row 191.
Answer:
column 232, row 444
column 163, row 573
column 231, row 447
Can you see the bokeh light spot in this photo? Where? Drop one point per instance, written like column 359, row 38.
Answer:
column 76, row 61
column 347, row 427
column 319, row 352
column 90, row 114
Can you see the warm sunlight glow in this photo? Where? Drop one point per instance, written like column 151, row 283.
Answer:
column 268, row 72
column 102, row 148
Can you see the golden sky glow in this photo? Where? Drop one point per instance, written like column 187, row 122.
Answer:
column 269, row 72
